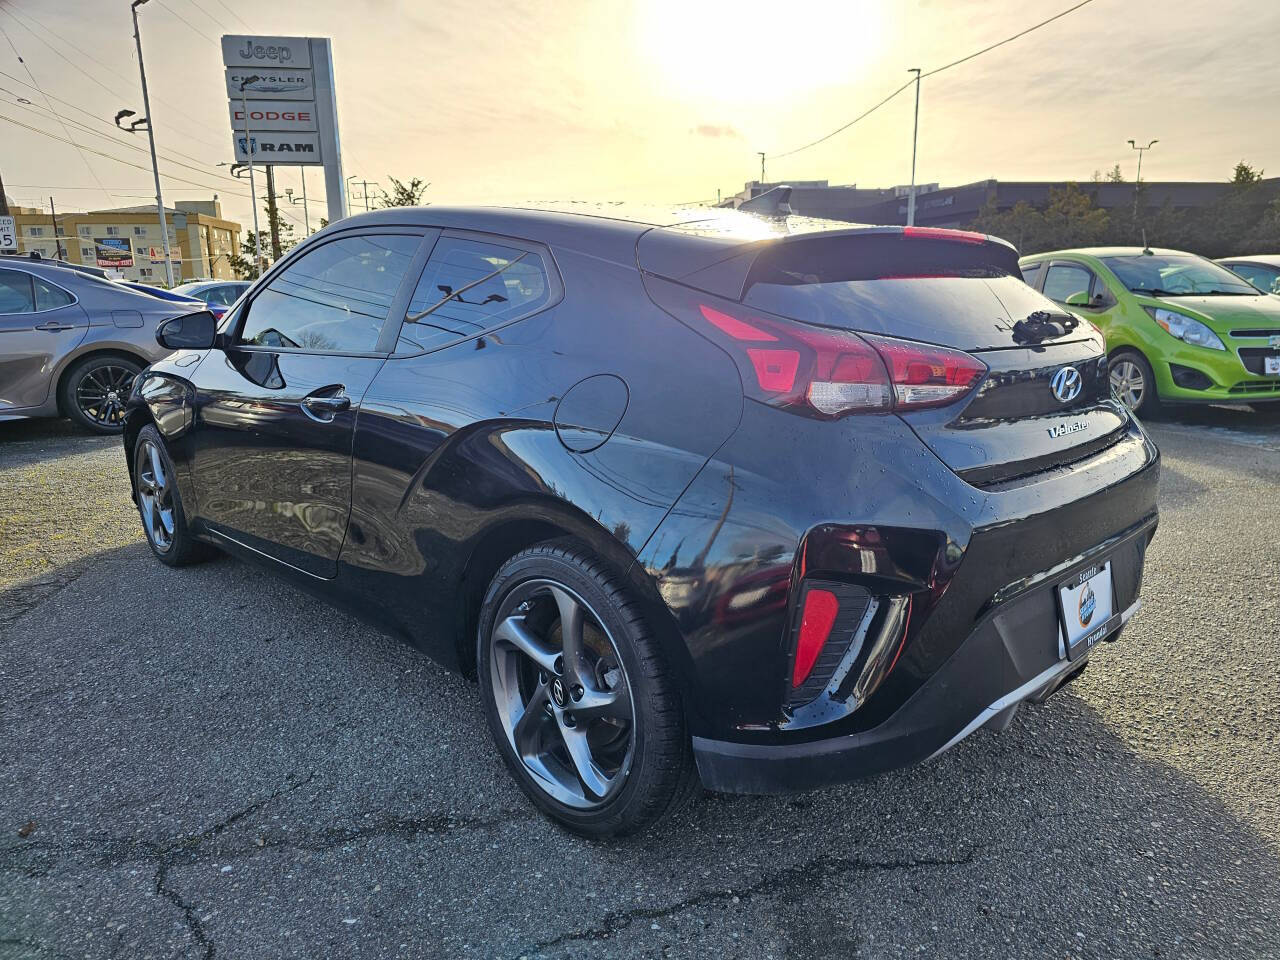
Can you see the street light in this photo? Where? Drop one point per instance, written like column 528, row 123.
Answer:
column 151, row 138
column 288, row 193
column 248, row 151
column 1138, row 182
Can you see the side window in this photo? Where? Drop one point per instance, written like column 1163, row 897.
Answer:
column 15, row 292
column 50, row 297
column 334, row 298
column 469, row 286
column 1031, row 273
column 1064, row 279
column 1261, row 277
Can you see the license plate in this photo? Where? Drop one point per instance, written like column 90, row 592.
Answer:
column 1087, row 607
column 1271, row 364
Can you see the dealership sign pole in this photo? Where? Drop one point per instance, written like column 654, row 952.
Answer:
column 284, row 107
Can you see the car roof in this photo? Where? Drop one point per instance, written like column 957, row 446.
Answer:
column 26, row 260
column 1270, row 259
column 1110, row 252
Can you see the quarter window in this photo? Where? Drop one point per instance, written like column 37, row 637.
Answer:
column 334, row 298
column 1063, row 280
column 15, row 292
column 469, row 286
column 49, row 297
column 1031, row 273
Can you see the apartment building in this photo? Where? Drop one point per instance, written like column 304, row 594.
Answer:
column 127, row 240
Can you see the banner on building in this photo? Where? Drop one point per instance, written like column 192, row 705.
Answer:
column 113, row 252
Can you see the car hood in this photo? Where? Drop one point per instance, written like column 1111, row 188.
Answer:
column 1224, row 314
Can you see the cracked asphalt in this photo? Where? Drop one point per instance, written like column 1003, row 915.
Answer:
column 207, row 763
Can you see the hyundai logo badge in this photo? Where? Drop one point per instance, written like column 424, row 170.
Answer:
column 1067, row 384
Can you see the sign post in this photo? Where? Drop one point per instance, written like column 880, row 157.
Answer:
column 284, row 108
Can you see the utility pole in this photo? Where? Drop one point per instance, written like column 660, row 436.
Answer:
column 4, row 201
column 57, row 239
column 273, row 215
column 151, row 138
column 915, row 136
column 253, row 193
column 761, row 152
column 1137, row 184
column 306, row 214
column 365, row 184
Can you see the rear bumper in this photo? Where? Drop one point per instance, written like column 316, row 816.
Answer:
column 1013, row 654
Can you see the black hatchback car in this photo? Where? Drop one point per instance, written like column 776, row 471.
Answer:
column 763, row 502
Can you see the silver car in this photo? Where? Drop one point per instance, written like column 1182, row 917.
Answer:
column 71, row 342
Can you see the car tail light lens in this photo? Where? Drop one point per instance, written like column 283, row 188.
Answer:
column 942, row 233
column 826, row 373
column 816, row 620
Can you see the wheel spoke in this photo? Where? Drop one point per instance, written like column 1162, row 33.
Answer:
column 157, row 466
column 603, row 703
column 571, row 624
column 531, row 721
column 575, row 740
column 513, row 631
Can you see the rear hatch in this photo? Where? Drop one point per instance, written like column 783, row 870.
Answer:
column 952, row 289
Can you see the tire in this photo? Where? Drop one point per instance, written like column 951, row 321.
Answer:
column 1129, row 373
column 155, row 491
column 94, row 390
column 637, row 747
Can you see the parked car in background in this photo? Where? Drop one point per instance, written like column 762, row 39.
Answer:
column 72, row 342
column 1263, row 271
column 160, row 293
column 217, row 295
column 769, row 502
column 1179, row 328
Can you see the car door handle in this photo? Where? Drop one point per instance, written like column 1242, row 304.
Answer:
column 53, row 326
column 325, row 408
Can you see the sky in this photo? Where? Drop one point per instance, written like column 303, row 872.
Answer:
column 655, row 101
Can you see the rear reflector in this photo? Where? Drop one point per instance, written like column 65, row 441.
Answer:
column 820, row 609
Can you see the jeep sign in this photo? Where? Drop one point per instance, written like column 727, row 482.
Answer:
column 266, row 53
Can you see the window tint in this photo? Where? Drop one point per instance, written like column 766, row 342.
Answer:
column 1031, row 273
column 469, row 286
column 333, row 298
column 49, row 297
column 1063, row 280
column 15, row 292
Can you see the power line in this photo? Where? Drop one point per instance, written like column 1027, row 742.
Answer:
column 930, row 73
column 36, row 83
column 174, row 13
column 233, row 13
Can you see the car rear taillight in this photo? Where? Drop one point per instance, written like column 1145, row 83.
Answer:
column 816, row 619
column 942, row 233
column 823, row 372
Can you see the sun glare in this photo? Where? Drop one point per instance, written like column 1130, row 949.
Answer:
column 731, row 50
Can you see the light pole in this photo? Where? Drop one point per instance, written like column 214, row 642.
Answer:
column 151, row 138
column 1137, row 184
column 915, row 133
column 253, row 193
column 306, row 217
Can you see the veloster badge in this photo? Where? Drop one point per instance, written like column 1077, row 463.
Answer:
column 1066, row 429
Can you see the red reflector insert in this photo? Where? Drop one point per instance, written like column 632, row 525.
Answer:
column 775, row 369
column 820, row 609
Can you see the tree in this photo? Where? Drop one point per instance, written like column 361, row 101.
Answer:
column 403, row 194
column 1114, row 175
column 257, row 249
column 1245, row 175
column 1069, row 220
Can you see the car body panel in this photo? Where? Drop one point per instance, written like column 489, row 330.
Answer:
column 1126, row 324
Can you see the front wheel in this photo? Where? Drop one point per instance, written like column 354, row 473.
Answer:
column 1133, row 383
column 578, row 695
column 155, row 489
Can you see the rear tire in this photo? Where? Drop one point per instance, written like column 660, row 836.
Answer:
column 93, row 391
column 603, row 701
column 1133, row 383
column 155, row 490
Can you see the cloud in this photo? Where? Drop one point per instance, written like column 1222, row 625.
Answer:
column 716, row 130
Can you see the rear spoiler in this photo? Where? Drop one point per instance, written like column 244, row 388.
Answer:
column 720, row 262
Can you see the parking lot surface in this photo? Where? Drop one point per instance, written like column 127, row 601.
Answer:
column 207, row 763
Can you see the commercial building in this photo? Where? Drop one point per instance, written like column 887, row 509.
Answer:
column 957, row 206
column 127, row 240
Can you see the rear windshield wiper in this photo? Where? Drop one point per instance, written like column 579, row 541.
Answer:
column 1043, row 325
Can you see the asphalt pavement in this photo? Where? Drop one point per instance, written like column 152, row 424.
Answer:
column 207, row 763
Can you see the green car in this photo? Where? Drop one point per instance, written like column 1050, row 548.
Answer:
column 1179, row 328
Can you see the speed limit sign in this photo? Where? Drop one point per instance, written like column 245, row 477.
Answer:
column 8, row 235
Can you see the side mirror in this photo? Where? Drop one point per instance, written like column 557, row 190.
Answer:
column 194, row 331
column 1080, row 299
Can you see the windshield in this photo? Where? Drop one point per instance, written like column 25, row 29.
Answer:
column 1176, row 275
column 188, row 288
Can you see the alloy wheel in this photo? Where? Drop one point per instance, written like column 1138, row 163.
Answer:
column 562, row 693
column 155, row 496
column 102, row 392
column 1128, row 384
